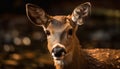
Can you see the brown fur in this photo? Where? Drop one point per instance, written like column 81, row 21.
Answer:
column 57, row 31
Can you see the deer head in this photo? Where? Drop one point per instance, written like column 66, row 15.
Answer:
column 60, row 30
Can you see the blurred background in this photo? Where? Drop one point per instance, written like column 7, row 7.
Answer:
column 23, row 45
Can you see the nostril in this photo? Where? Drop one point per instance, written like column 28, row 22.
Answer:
column 58, row 54
column 58, row 51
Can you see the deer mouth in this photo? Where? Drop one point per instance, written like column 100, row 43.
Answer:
column 59, row 56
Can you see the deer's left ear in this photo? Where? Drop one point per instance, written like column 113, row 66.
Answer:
column 80, row 12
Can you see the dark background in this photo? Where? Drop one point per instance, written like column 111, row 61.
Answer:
column 22, row 44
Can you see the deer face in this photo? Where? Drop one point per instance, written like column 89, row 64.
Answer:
column 59, row 35
column 60, row 30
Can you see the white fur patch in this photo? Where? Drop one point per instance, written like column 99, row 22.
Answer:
column 58, row 44
column 80, row 22
column 58, row 62
column 75, row 16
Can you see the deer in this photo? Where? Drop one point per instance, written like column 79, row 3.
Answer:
column 63, row 44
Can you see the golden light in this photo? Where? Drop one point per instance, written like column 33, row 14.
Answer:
column 17, row 41
column 37, row 35
column 26, row 41
column 16, row 56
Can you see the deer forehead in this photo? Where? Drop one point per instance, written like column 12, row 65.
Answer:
column 59, row 23
column 62, row 19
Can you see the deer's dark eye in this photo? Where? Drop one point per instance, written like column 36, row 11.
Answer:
column 48, row 32
column 70, row 31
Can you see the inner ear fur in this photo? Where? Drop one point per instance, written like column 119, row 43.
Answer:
column 36, row 14
column 80, row 12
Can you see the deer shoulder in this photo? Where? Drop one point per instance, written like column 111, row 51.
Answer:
column 109, row 58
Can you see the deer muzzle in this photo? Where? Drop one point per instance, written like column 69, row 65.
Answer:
column 58, row 52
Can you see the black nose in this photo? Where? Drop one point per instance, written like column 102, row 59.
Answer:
column 58, row 51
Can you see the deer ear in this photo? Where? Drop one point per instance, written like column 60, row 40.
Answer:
column 80, row 12
column 36, row 15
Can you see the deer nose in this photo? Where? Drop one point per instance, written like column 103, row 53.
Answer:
column 58, row 51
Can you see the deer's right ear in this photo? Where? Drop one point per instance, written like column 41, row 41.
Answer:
column 36, row 15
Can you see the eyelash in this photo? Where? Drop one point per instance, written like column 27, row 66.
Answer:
column 70, row 31
column 48, row 32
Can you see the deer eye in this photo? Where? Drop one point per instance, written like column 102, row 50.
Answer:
column 48, row 32
column 70, row 31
